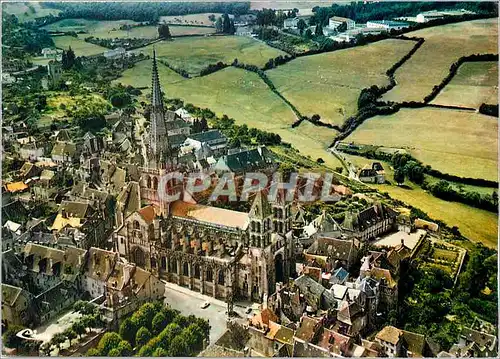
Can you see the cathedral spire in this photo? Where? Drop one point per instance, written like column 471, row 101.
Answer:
column 157, row 98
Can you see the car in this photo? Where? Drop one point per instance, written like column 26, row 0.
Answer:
column 248, row 310
column 205, row 305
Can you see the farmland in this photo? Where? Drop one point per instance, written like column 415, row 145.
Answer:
column 476, row 224
column 461, row 143
column 28, row 11
column 442, row 47
column 475, row 83
column 111, row 29
column 80, row 47
column 329, row 84
column 195, row 53
column 243, row 96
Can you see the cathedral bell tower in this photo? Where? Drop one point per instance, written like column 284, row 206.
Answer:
column 159, row 156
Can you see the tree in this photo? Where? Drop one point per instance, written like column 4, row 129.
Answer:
column 128, row 331
column 46, row 348
column 219, row 26
column 308, row 34
column 70, row 334
column 93, row 352
column 10, row 339
column 120, row 99
column 160, row 352
column 301, row 25
column 88, row 321
column 399, row 176
column 164, row 31
column 319, row 30
column 108, row 341
column 226, row 24
column 124, row 348
column 142, row 337
column 178, row 347
column 159, row 322
column 115, row 352
column 79, row 328
column 58, row 339
column 232, row 28
column 68, row 59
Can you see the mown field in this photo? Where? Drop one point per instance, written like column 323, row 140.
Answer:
column 27, row 11
column 461, row 143
column 474, row 84
column 443, row 46
column 476, row 224
column 195, row 53
column 329, row 84
column 80, row 47
column 111, row 29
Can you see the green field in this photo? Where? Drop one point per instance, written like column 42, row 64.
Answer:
column 474, row 84
column 476, row 224
column 80, row 47
column 243, row 96
column 195, row 53
column 25, row 12
column 461, row 143
column 111, row 29
column 443, row 45
column 448, row 255
column 329, row 84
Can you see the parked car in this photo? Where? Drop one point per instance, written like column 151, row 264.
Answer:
column 205, row 305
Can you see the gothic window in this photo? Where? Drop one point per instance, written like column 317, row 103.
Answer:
column 139, row 258
column 137, row 225
column 253, row 226
column 221, row 277
column 155, row 183
column 163, row 263
column 209, row 275
column 197, row 270
column 148, row 182
column 258, row 227
column 153, row 262
column 268, row 223
column 185, row 269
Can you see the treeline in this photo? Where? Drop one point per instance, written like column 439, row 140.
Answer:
column 453, row 71
column 211, row 68
column 364, row 11
column 181, row 72
column 23, row 36
column 144, row 11
column 490, row 110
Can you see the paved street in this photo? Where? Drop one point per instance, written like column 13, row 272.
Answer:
column 189, row 303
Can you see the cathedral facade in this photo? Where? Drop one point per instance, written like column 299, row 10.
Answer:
column 218, row 252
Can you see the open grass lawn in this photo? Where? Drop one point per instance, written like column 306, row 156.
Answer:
column 91, row 26
column 80, row 47
column 445, row 254
column 312, row 141
column 443, row 46
column 461, row 143
column 475, row 83
column 329, row 84
column 476, row 224
column 195, row 53
column 28, row 11
column 191, row 19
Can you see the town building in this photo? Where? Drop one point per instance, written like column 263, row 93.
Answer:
column 335, row 22
column 386, row 25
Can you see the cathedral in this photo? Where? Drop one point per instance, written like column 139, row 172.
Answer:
column 219, row 252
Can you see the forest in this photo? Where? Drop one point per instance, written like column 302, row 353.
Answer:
column 143, row 11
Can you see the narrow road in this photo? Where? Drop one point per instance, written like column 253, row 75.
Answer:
column 351, row 169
